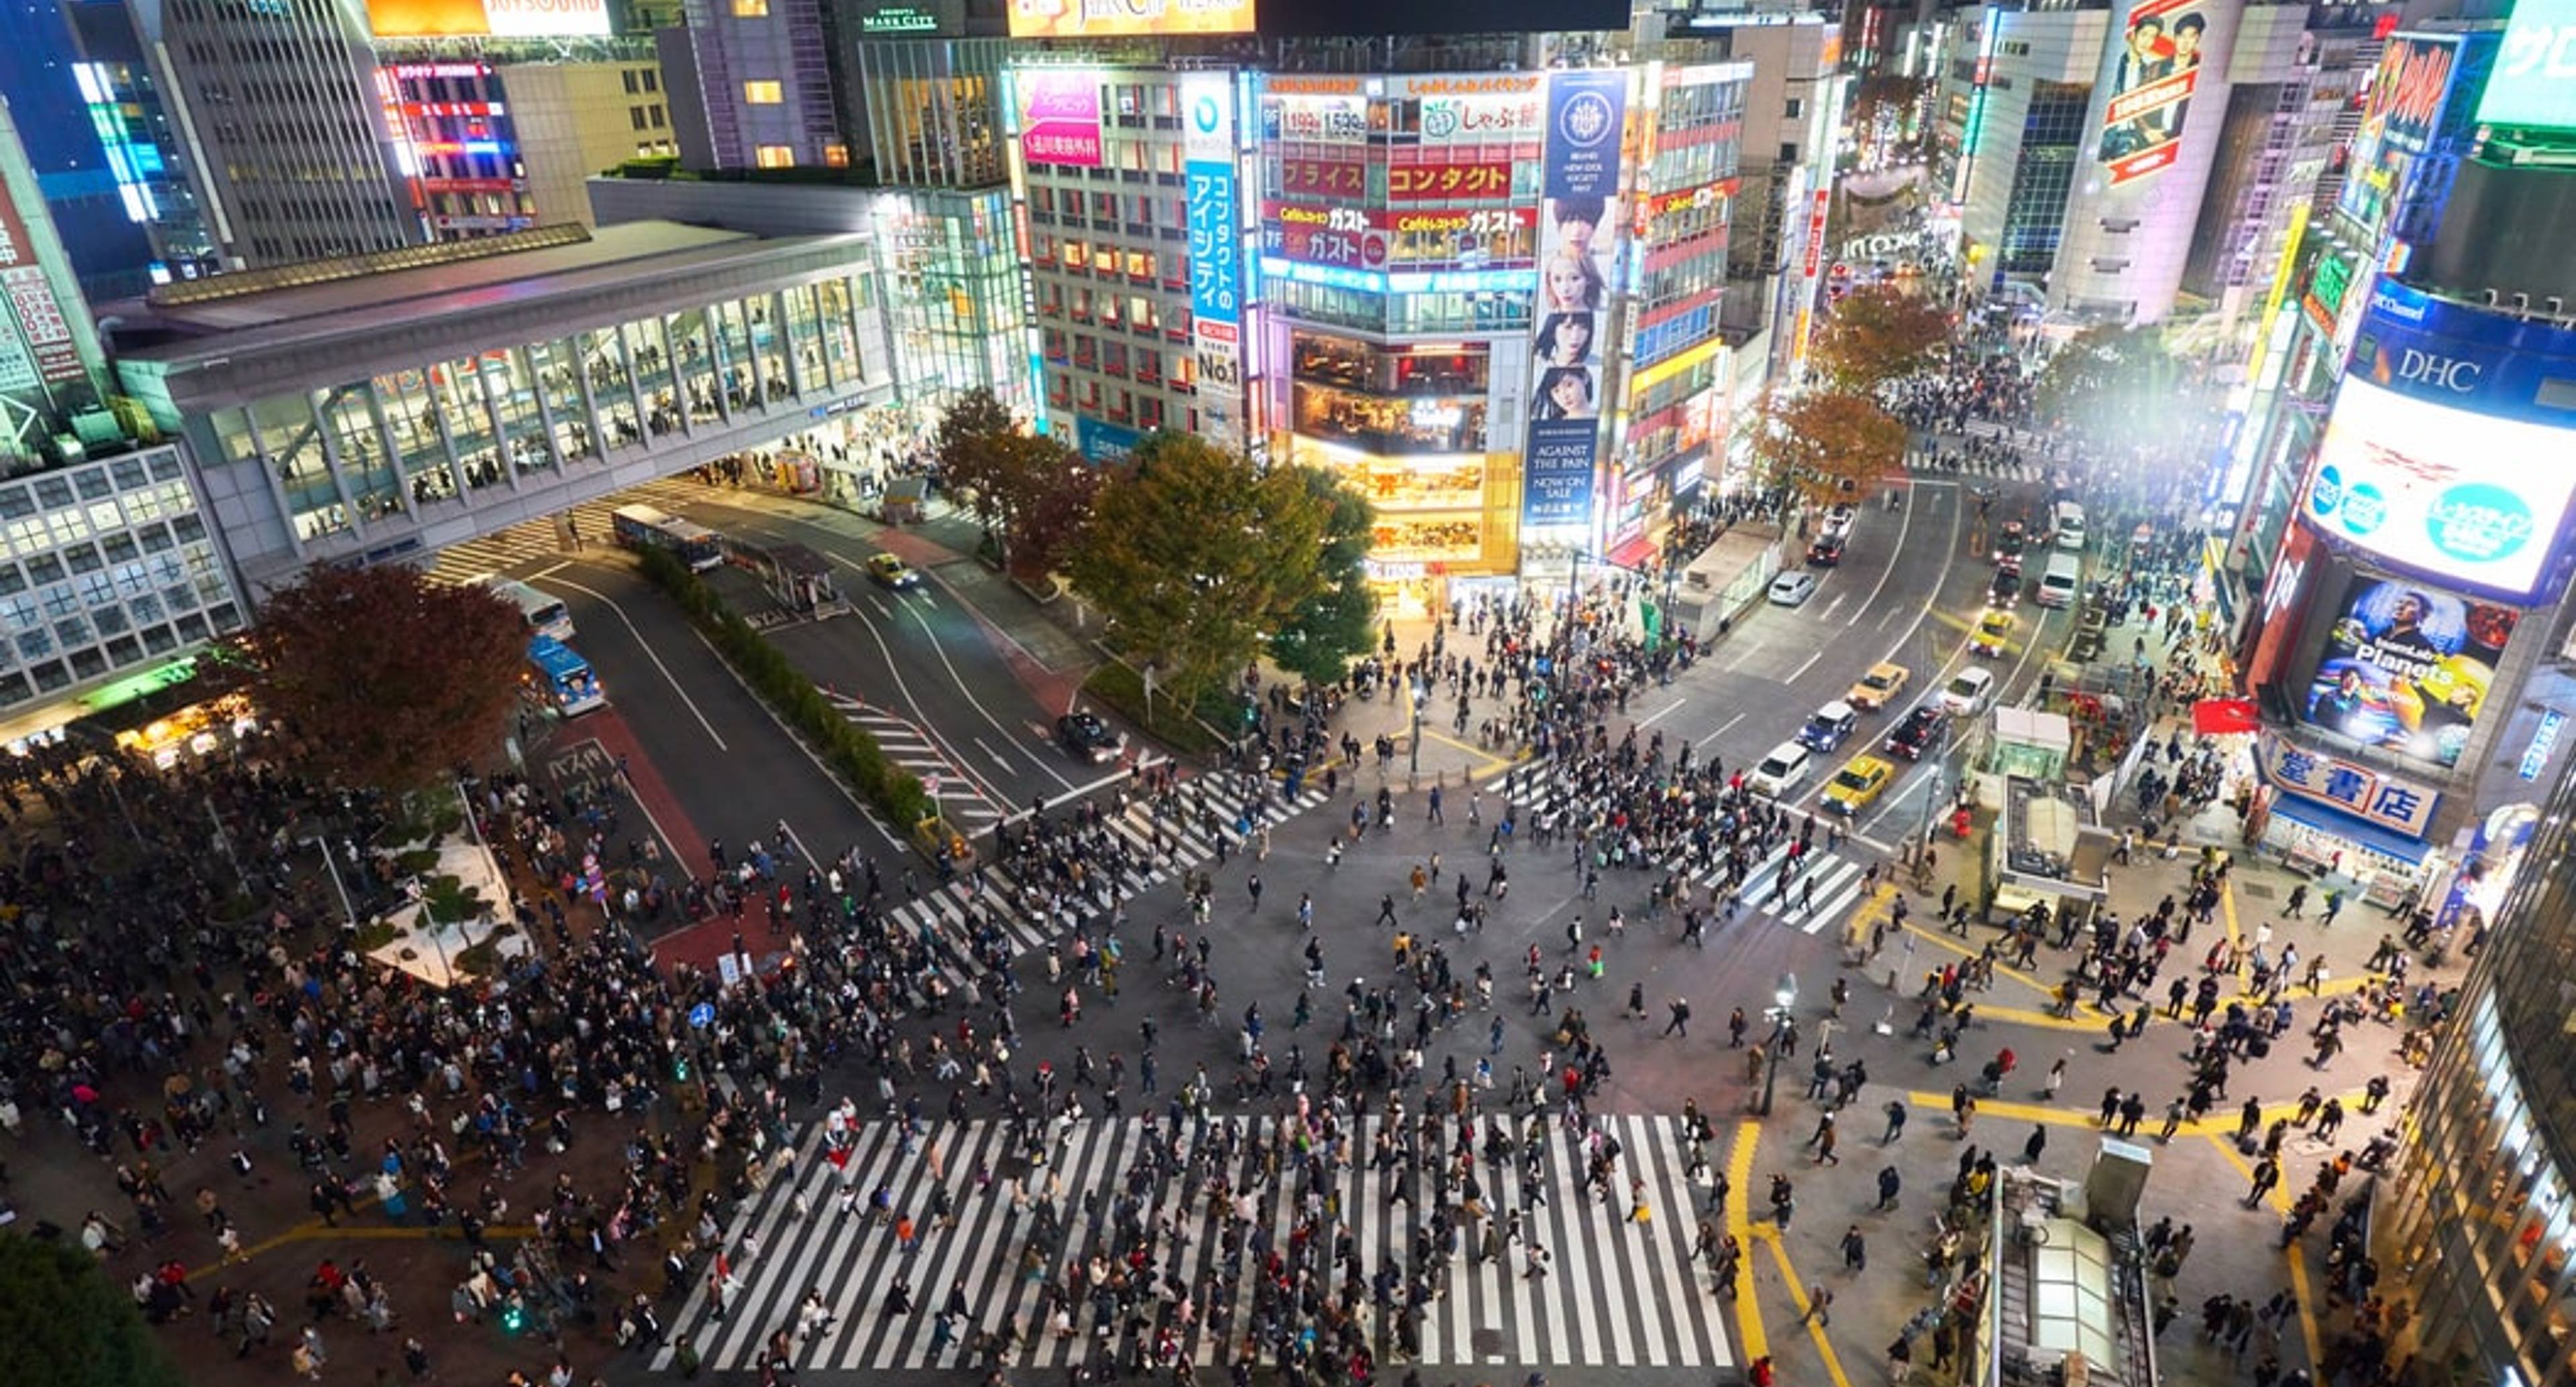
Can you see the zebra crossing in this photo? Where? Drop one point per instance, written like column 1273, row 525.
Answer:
column 965, row 805
column 1807, row 899
column 538, row 542
column 951, row 912
column 1619, row 1292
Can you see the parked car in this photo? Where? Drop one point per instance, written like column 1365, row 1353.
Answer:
column 1793, row 589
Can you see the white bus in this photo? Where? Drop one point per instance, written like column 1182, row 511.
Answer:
column 547, row 616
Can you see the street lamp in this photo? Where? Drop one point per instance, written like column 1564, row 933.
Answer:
column 1785, row 993
column 1421, row 691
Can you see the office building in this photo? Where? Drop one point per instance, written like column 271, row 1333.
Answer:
column 506, row 139
column 280, row 102
column 755, row 81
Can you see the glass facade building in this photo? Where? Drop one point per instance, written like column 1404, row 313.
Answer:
column 2477, row 1223
column 652, row 349
column 104, row 566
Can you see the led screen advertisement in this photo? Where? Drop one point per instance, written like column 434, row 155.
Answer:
column 2407, row 668
column 1076, row 19
column 2154, row 72
column 2533, row 86
column 1578, row 261
column 2398, row 118
column 520, row 19
column 2459, row 497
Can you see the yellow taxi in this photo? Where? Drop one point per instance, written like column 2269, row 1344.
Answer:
column 1858, row 784
column 1879, row 687
column 1995, row 629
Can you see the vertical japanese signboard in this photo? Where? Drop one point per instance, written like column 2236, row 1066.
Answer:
column 43, row 343
column 1578, row 261
column 1217, row 289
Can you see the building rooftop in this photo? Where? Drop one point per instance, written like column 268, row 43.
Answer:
column 325, row 322
column 444, row 282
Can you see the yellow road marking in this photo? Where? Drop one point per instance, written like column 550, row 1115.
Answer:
column 1798, row 1294
column 1739, row 1179
column 2280, row 1201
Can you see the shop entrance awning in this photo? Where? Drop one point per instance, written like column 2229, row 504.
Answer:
column 2386, row 842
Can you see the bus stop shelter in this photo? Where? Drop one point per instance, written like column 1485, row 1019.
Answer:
column 795, row 577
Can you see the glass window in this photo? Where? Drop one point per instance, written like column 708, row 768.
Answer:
column 775, row 156
column 750, row 9
column 291, row 433
column 652, row 360
column 763, row 93
column 363, row 461
column 797, row 302
column 833, row 308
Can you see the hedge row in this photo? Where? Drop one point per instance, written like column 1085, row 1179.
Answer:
column 851, row 753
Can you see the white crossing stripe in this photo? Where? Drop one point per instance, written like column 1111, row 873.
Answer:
column 1616, row 1290
column 1839, row 882
column 1036, row 918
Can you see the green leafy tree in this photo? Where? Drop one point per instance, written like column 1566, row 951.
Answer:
column 2111, row 384
column 1827, row 445
column 1876, row 334
column 1196, row 556
column 387, row 679
column 1338, row 624
column 64, row 1324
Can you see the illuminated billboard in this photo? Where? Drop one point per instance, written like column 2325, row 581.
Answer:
column 2533, row 86
column 510, row 19
column 1578, row 262
column 2407, row 668
column 2398, row 119
column 2440, row 491
column 2153, row 74
column 1092, row 19
column 1059, row 116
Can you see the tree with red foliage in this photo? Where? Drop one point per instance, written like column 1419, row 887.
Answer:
column 386, row 679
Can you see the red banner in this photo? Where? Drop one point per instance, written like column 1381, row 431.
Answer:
column 2212, row 716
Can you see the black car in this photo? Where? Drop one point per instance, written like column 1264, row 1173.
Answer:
column 2006, row 589
column 1826, row 552
column 1086, row 736
column 1919, row 733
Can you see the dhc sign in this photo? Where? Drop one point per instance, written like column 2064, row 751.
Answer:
column 2456, row 374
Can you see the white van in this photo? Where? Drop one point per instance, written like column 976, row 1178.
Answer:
column 1776, row 774
column 2057, row 586
column 2070, row 527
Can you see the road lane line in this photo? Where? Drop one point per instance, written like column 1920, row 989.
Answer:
column 654, row 656
column 1721, row 729
column 998, row 759
column 1904, row 527
column 1658, row 715
column 1739, row 1225
column 1805, row 665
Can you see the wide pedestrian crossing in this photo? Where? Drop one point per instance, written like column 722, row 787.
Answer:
column 1815, row 893
column 1618, row 1292
column 1163, row 840
column 514, row 551
column 963, row 803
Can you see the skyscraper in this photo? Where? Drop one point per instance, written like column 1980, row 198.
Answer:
column 279, row 100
